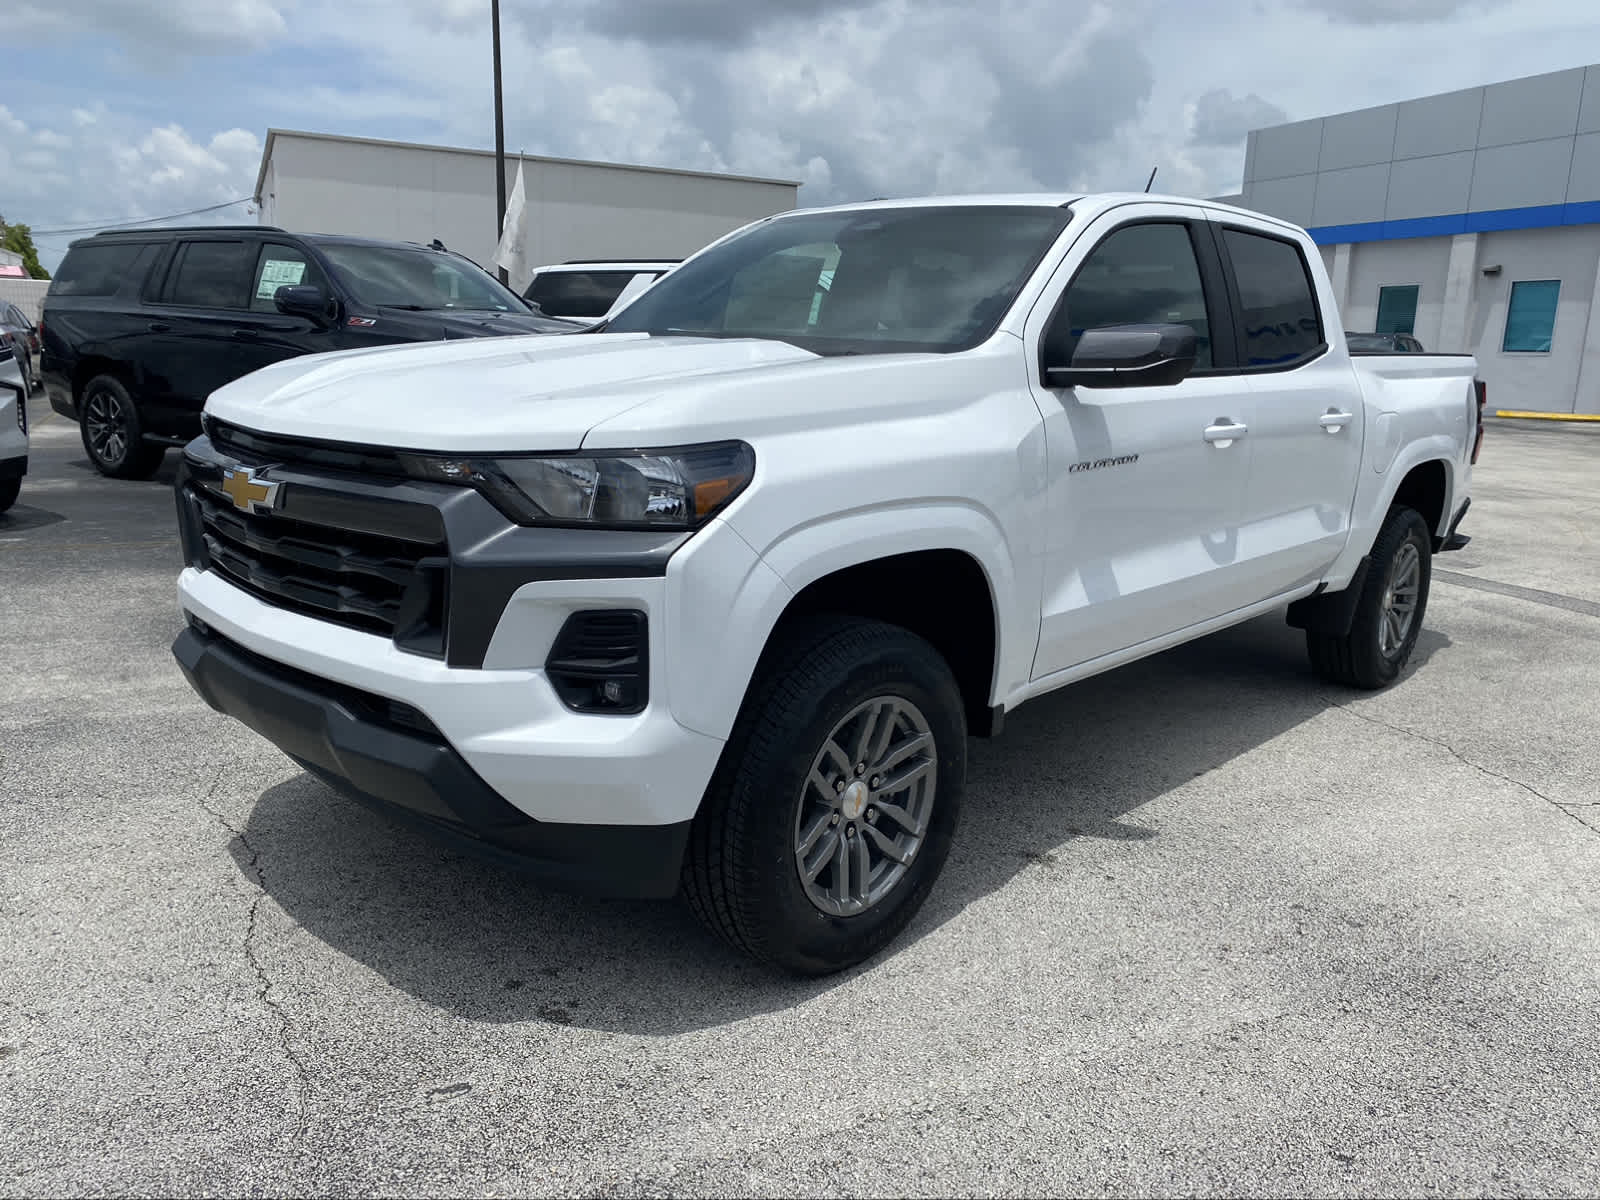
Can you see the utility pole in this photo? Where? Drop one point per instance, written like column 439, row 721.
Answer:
column 499, row 138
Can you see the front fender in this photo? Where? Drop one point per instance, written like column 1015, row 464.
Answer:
column 726, row 599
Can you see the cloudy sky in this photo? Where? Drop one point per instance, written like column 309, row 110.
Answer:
column 113, row 110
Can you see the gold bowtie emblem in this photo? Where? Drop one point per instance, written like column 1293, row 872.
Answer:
column 248, row 493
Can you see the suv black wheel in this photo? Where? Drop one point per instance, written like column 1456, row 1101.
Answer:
column 112, row 433
column 833, row 808
column 1388, row 616
column 10, row 489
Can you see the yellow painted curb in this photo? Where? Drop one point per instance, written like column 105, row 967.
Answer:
column 1545, row 416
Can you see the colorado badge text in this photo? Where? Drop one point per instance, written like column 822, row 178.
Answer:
column 248, row 493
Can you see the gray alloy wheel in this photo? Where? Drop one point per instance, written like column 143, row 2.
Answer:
column 106, row 431
column 866, row 805
column 1400, row 600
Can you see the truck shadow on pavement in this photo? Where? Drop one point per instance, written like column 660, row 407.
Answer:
column 483, row 943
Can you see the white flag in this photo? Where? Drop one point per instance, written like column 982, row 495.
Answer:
column 512, row 252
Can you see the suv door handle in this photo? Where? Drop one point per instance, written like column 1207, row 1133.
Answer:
column 160, row 327
column 246, row 335
column 1225, row 432
column 1333, row 420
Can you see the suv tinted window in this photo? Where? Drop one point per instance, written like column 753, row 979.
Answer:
column 578, row 293
column 1281, row 323
column 95, row 270
column 1140, row 274
column 211, row 275
column 280, row 266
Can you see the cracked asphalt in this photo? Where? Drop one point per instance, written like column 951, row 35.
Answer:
column 1209, row 926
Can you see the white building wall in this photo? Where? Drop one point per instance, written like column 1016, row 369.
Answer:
column 1420, row 261
column 576, row 210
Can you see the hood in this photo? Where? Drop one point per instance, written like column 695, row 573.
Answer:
column 480, row 323
column 482, row 394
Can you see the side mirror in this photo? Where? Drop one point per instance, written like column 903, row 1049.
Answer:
column 306, row 300
column 1126, row 356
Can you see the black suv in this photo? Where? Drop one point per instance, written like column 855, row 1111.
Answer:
column 140, row 327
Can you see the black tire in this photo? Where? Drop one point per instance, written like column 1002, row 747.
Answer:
column 10, row 489
column 113, row 435
column 741, row 874
column 1361, row 658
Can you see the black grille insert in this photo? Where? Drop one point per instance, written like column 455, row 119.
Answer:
column 373, row 582
column 600, row 661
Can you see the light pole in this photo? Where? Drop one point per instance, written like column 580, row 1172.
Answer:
column 499, row 138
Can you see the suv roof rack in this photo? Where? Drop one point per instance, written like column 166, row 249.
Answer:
column 188, row 229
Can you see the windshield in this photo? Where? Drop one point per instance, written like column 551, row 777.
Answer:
column 877, row 281
column 399, row 277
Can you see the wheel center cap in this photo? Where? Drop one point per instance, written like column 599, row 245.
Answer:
column 853, row 800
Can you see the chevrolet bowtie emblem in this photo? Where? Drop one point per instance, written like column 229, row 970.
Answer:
column 248, row 493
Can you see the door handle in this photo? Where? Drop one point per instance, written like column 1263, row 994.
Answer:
column 1225, row 432
column 246, row 335
column 160, row 327
column 1333, row 420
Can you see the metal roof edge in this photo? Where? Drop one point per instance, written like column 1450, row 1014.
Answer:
column 273, row 133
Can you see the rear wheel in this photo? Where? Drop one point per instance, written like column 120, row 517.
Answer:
column 113, row 433
column 833, row 809
column 1389, row 612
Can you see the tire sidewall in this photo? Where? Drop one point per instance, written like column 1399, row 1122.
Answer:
column 130, row 424
column 1404, row 526
column 794, row 929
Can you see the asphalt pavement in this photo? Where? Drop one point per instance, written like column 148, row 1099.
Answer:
column 1209, row 926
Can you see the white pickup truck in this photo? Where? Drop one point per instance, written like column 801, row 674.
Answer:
column 712, row 596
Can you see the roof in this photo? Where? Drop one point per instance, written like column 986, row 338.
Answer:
column 274, row 134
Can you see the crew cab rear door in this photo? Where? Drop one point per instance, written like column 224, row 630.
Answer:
column 1309, row 414
column 1145, row 483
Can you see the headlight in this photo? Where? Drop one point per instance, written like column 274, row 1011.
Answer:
column 646, row 489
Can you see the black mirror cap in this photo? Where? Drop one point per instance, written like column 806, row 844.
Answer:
column 306, row 300
column 1155, row 355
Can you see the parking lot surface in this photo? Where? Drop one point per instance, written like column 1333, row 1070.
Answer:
column 1209, row 925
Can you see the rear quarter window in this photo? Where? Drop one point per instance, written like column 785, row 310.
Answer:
column 101, row 270
column 1282, row 325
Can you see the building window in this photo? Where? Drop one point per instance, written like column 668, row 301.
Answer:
column 1397, row 309
column 1531, row 316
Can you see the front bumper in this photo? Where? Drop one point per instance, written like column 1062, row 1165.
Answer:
column 392, row 758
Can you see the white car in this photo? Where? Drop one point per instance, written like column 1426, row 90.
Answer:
column 591, row 291
column 13, row 427
column 714, row 598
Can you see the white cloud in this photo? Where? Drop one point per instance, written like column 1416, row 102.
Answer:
column 192, row 26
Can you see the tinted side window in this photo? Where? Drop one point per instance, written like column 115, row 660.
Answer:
column 280, row 266
column 211, row 275
column 1140, row 274
column 577, row 293
column 95, row 270
column 1281, row 323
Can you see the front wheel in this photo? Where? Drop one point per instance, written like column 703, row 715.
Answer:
column 113, row 434
column 1389, row 612
column 833, row 809
column 10, row 489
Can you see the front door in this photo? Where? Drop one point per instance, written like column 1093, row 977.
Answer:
column 263, row 335
column 1146, row 483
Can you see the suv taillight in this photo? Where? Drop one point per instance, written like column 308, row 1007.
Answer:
column 1482, row 389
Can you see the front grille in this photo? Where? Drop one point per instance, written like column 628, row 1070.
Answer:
column 254, row 449
column 368, row 581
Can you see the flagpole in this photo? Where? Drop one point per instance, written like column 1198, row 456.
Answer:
column 499, row 135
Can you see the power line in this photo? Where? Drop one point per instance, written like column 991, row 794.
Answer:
column 193, row 212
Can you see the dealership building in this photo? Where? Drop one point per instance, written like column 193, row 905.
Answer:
column 1469, row 219
column 327, row 183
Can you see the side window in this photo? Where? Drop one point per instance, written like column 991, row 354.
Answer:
column 1281, row 323
column 1140, row 274
column 91, row 270
column 577, row 293
column 211, row 275
column 280, row 266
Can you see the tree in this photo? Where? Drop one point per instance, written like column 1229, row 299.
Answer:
column 19, row 240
